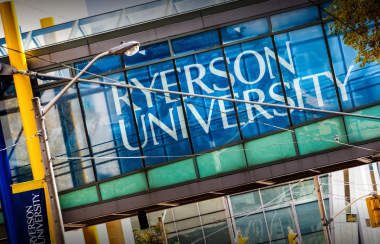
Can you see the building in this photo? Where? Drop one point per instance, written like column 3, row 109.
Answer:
column 120, row 151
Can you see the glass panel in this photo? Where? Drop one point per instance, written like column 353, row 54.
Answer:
column 78, row 198
column 110, row 127
column 357, row 86
column 50, row 35
column 186, row 211
column 246, row 203
column 188, row 5
column 3, row 49
column 221, row 161
column 324, row 6
column 7, row 87
column 305, row 66
column 325, row 186
column 153, row 217
column 276, row 197
column 270, row 148
column 253, row 81
column 210, row 206
column 217, row 233
column 148, row 54
column 253, row 227
column 304, row 191
column 123, row 186
column 13, row 133
column 1, row 218
column 171, row 174
column 102, row 65
column 190, row 236
column 244, row 30
column 278, row 222
column 307, row 136
column 44, row 80
column 67, row 138
column 361, row 129
column 188, row 223
column 294, row 18
column 172, row 238
column 195, row 42
column 163, row 132
column 309, row 217
column 314, row 238
column 214, row 217
column 212, row 123
column 96, row 24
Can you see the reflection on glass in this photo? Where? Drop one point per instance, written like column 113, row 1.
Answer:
column 253, row 227
column 294, row 18
column 13, row 132
column 305, row 66
column 188, row 223
column 3, row 49
column 67, row 139
column 221, row 237
column 195, row 42
column 324, row 6
column 304, row 191
column 7, row 87
column 309, row 217
column 278, row 222
column 255, row 77
column 110, row 127
column 212, row 123
column 44, row 80
column 102, row 65
column 190, row 236
column 244, row 30
column 163, row 129
column 276, row 197
column 146, row 12
column 148, row 54
column 246, row 203
column 357, row 86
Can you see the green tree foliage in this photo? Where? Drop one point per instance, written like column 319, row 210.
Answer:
column 149, row 236
column 358, row 22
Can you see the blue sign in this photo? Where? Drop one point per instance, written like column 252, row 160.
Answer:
column 31, row 217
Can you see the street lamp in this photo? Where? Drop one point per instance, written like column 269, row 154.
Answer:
column 129, row 48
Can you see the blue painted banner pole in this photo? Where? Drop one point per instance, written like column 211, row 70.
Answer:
column 6, row 197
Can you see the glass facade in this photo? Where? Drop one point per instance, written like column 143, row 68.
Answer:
column 126, row 135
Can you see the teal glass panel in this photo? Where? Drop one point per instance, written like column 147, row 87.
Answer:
column 309, row 217
column 361, row 129
column 308, row 136
column 217, row 233
column 270, row 148
column 221, row 161
column 304, row 192
column 253, row 227
column 171, row 174
column 245, row 203
column 278, row 222
column 123, row 186
column 1, row 218
column 78, row 198
column 276, row 197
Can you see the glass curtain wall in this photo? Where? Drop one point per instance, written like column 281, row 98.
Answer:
column 153, row 140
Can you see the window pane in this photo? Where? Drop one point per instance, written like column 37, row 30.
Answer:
column 163, row 132
column 278, row 222
column 123, row 186
column 188, row 223
column 276, row 197
column 256, row 80
column 67, row 138
column 264, row 150
column 294, row 18
column 309, row 217
column 244, row 30
column 110, row 127
column 210, row 206
column 171, row 174
column 361, row 129
column 357, row 86
column 185, row 211
column 221, row 161
column 148, row 54
column 222, row 236
column 145, row 12
column 246, row 203
column 214, row 217
column 13, row 132
column 212, row 123
column 190, row 236
column 253, row 227
column 102, row 65
column 7, row 87
column 324, row 6
column 78, row 198
column 304, row 191
column 195, row 42
column 50, row 35
column 44, row 80
column 325, row 129
column 305, row 65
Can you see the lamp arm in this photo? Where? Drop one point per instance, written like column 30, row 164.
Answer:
column 60, row 94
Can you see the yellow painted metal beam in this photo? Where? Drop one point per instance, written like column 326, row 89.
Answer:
column 91, row 235
column 115, row 232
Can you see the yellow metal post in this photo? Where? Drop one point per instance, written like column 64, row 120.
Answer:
column 24, row 94
column 91, row 235
column 49, row 38
column 47, row 22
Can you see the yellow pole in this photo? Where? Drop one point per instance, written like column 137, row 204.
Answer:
column 49, row 38
column 91, row 235
column 24, row 95
column 47, row 22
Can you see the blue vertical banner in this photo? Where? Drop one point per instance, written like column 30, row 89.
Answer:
column 30, row 212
